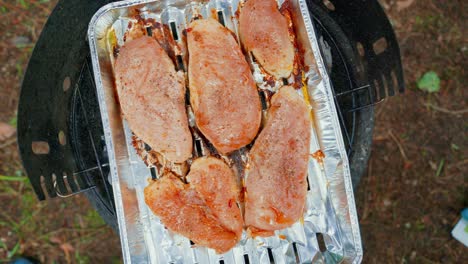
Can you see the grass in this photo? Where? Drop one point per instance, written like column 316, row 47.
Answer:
column 65, row 227
column 56, row 230
column 68, row 228
column 13, row 178
column 23, row 3
column 426, row 197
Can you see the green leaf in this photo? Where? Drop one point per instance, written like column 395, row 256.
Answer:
column 429, row 82
column 455, row 146
column 466, row 229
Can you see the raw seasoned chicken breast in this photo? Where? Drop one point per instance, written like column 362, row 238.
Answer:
column 264, row 32
column 223, row 94
column 276, row 183
column 152, row 98
column 204, row 210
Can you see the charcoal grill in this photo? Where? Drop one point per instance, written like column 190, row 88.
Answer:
column 60, row 134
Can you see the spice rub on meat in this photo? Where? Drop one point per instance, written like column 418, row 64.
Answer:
column 223, row 93
column 264, row 32
column 204, row 210
column 152, row 98
column 276, row 184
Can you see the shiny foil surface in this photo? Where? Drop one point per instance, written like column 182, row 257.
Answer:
column 330, row 213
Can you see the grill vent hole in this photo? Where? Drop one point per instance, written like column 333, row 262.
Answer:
column 147, row 147
column 380, row 46
column 154, row 176
column 360, row 49
column 246, row 259
column 149, row 31
column 66, row 84
column 394, row 80
column 43, row 186
column 221, row 18
column 270, row 256
column 40, row 147
column 78, row 180
column 61, row 138
column 263, row 100
column 67, row 183
column 198, row 146
column 180, row 62
column 321, row 242
column 254, row 60
column 174, row 30
column 377, row 90
column 187, row 97
column 329, row 5
column 54, row 180
column 296, row 253
column 388, row 86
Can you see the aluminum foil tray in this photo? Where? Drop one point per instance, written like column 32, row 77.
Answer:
column 329, row 230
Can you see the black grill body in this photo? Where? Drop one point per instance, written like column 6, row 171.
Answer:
column 59, row 111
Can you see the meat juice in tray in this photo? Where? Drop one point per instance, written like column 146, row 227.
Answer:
column 202, row 196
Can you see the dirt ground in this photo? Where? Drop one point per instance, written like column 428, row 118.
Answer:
column 408, row 202
column 416, row 183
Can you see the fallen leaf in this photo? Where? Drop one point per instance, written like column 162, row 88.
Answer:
column 429, row 82
column 6, row 131
column 403, row 4
column 55, row 240
column 407, row 165
column 67, row 248
column 426, row 220
column 433, row 165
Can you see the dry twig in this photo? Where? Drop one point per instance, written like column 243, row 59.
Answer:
column 8, row 143
column 400, row 147
column 445, row 110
